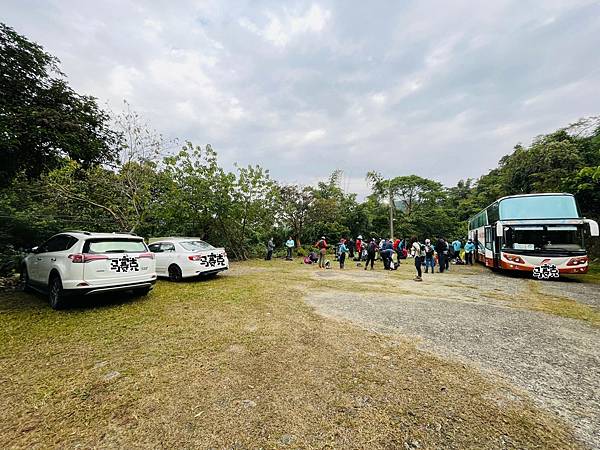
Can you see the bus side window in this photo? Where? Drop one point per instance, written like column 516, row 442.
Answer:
column 488, row 238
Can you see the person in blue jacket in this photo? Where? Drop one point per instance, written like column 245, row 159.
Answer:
column 469, row 250
column 342, row 250
column 456, row 245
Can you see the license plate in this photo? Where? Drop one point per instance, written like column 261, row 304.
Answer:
column 212, row 260
column 124, row 264
column 545, row 271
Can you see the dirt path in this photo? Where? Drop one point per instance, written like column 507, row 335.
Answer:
column 556, row 359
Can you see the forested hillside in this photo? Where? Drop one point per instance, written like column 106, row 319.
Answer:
column 67, row 164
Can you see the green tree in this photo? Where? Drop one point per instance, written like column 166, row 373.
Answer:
column 42, row 120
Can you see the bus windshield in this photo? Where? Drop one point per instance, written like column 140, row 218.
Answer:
column 539, row 207
column 540, row 238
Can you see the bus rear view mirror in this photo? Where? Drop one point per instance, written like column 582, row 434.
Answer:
column 593, row 227
column 499, row 229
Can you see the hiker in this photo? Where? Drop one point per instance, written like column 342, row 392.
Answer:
column 417, row 253
column 429, row 256
column 363, row 252
column 342, row 249
column 448, row 255
column 371, row 251
column 386, row 254
column 289, row 245
column 442, row 251
column 322, row 246
column 469, row 249
column 270, row 248
column 456, row 246
column 398, row 249
column 351, row 245
column 359, row 246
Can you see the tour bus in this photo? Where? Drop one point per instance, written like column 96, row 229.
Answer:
column 525, row 232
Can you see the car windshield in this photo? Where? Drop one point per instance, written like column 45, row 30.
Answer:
column 545, row 238
column 114, row 245
column 196, row 246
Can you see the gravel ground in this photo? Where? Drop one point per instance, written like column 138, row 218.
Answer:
column 555, row 359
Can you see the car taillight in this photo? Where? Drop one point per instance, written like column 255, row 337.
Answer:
column 148, row 255
column 76, row 258
column 513, row 258
column 84, row 257
column 577, row 261
column 194, row 257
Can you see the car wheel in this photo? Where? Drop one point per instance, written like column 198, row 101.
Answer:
column 56, row 293
column 25, row 280
column 175, row 273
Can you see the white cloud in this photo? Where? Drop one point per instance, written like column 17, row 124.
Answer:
column 314, row 135
column 280, row 29
column 409, row 87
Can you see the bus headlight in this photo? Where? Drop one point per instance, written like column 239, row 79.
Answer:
column 513, row 258
column 577, row 261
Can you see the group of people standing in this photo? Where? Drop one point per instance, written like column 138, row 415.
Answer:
column 427, row 254
column 367, row 251
column 289, row 246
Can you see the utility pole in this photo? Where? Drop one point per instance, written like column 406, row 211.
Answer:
column 391, row 209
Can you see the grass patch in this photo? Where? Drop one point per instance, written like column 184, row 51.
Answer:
column 239, row 361
column 559, row 306
column 593, row 275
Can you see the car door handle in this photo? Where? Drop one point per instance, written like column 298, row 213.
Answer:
column 52, row 259
column 39, row 259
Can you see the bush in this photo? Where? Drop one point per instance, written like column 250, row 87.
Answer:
column 10, row 261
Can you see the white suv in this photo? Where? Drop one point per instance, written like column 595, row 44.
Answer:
column 83, row 263
column 182, row 257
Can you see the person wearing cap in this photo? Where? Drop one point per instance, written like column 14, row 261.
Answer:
column 417, row 253
column 469, row 249
column 429, row 259
column 358, row 246
column 322, row 246
column 456, row 246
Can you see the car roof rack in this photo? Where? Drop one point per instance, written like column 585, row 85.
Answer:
column 79, row 231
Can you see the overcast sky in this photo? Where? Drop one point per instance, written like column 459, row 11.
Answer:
column 441, row 89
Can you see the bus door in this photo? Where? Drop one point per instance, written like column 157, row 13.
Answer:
column 491, row 248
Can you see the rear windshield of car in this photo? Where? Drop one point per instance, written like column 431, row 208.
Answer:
column 196, row 246
column 114, row 245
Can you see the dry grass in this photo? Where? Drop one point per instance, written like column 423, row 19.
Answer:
column 240, row 362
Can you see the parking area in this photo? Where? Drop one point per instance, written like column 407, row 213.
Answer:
column 541, row 336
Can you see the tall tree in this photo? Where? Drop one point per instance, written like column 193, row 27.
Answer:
column 41, row 118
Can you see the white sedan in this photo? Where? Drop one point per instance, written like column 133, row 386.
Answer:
column 184, row 257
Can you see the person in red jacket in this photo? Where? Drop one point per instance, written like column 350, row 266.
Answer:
column 359, row 246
